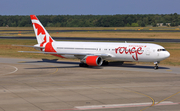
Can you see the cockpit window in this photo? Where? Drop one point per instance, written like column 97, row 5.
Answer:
column 161, row 50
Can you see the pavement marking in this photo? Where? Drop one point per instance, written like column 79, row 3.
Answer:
column 160, row 101
column 122, row 105
column 168, row 97
column 46, row 74
column 169, row 70
column 16, row 69
column 54, row 71
column 153, row 101
column 112, row 106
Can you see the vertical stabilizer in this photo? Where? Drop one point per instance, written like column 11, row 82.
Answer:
column 41, row 34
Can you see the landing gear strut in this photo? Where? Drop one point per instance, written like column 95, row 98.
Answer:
column 156, row 65
column 105, row 63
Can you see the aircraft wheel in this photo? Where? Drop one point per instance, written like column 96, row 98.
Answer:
column 156, row 67
column 105, row 63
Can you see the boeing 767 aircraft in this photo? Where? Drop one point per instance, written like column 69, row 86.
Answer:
column 96, row 53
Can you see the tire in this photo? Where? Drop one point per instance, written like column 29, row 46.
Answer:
column 105, row 63
column 156, row 67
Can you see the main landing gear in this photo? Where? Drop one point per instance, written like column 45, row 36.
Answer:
column 105, row 63
column 83, row 65
column 156, row 65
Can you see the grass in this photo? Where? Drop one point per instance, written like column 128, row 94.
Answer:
column 7, row 50
column 159, row 35
column 174, row 50
column 96, row 34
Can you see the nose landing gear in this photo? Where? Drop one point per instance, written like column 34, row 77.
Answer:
column 156, row 65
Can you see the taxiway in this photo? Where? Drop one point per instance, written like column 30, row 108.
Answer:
column 50, row 85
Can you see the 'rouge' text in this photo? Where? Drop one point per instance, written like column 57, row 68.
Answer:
column 133, row 50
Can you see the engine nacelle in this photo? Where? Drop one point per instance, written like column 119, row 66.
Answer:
column 93, row 60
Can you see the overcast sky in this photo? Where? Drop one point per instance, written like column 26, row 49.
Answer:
column 86, row 7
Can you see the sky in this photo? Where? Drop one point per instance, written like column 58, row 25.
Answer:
column 87, row 7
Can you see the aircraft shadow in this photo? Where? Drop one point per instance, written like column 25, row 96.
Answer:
column 52, row 61
column 132, row 65
column 142, row 66
column 112, row 64
column 90, row 67
column 54, row 67
column 59, row 62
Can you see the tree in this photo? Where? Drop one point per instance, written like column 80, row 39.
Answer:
column 154, row 24
column 143, row 24
column 135, row 25
column 128, row 25
column 92, row 20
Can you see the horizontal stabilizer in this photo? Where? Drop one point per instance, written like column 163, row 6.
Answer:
column 28, row 46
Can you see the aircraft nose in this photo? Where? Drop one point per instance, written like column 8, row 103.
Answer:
column 167, row 54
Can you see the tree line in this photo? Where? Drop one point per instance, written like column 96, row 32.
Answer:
column 137, row 20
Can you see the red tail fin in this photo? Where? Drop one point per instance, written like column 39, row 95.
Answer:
column 41, row 34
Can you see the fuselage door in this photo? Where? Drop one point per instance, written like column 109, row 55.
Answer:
column 148, row 51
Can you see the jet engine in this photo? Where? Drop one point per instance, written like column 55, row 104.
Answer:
column 93, row 60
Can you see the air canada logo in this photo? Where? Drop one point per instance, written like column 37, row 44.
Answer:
column 43, row 42
column 40, row 33
column 134, row 51
column 39, row 29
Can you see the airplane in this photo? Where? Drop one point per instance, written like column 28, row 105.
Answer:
column 96, row 53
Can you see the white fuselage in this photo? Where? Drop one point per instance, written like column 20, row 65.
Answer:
column 145, row 52
column 96, row 53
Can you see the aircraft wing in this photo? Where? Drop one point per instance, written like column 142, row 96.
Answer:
column 59, row 53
